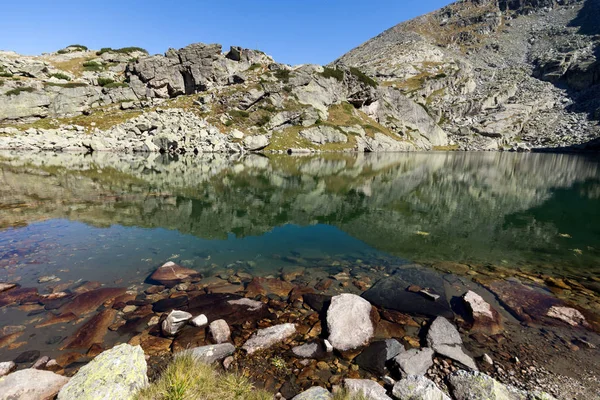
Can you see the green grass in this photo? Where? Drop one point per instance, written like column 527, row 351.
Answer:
column 105, row 81
column 79, row 47
column 254, row 66
column 186, row 379
column 283, row 75
column 5, row 74
column 239, row 114
column 333, row 73
column 92, row 66
column 1, row 82
column 124, row 50
column 362, row 77
column 113, row 85
column 60, row 75
column 69, row 85
column 19, row 90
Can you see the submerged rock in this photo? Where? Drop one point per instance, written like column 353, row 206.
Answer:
column 484, row 317
column 266, row 286
column 349, row 322
column 314, row 393
column 209, row 354
column 367, row 388
column 92, row 331
column 31, row 384
column 170, row 274
column 265, row 338
column 88, row 302
column 117, row 373
column 417, row 388
column 174, row 321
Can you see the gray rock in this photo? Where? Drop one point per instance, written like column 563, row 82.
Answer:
column 174, row 321
column 324, row 134
column 314, row 393
column 415, row 361
column 31, row 384
column 209, row 354
column 219, row 331
column 117, row 373
column 349, row 322
column 417, row 388
column 265, row 338
column 7, row 367
column 367, row 388
column 478, row 386
column 256, row 142
column 308, row 350
column 456, row 353
column 377, row 354
column 445, row 340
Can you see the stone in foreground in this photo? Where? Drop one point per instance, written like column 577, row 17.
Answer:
column 418, row 388
column 569, row 315
column 375, row 357
column 349, row 322
column 265, row 338
column 368, row 388
column 477, row 386
column 209, row 354
column 314, row 393
column 31, row 384
column 170, row 274
column 7, row 367
column 415, row 361
column 175, row 320
column 219, row 331
column 117, row 373
column 308, row 350
column 199, row 321
column 484, row 317
column 444, row 339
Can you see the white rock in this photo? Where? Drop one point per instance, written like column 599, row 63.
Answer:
column 328, row 346
column 415, row 361
column 368, row 388
column 267, row 337
column 478, row 305
column 569, row 315
column 219, row 331
column 418, row 388
column 253, row 305
column 349, row 322
column 175, row 320
column 31, row 384
column 7, row 367
column 199, row 321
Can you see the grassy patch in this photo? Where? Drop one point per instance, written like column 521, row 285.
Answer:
column 254, row 67
column 113, row 85
column 92, row 66
column 105, row 81
column 69, row 85
column 1, row 82
column 239, row 114
column 19, row 90
column 60, row 75
column 187, row 379
column 78, row 47
column 123, row 50
column 344, row 395
column 333, row 73
column 362, row 77
column 283, row 75
column 5, row 74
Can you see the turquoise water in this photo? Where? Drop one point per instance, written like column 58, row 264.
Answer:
column 114, row 217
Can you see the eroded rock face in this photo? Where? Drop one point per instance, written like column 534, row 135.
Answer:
column 31, row 384
column 117, row 373
column 349, row 322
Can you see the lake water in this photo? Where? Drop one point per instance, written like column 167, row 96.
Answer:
column 115, row 218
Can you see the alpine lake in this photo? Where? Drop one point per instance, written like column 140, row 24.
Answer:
column 520, row 229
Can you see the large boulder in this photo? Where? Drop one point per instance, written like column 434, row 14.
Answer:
column 31, row 384
column 314, row 393
column 265, row 338
column 209, row 354
column 117, row 373
column 417, row 388
column 170, row 274
column 478, row 386
column 323, row 135
column 445, row 340
column 349, row 322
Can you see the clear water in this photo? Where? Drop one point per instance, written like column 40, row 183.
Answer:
column 114, row 217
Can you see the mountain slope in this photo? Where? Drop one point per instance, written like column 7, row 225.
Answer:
column 497, row 73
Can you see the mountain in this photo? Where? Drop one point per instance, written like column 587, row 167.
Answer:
column 475, row 75
column 494, row 73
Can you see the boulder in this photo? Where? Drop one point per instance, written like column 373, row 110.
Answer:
column 377, row 354
column 117, row 373
column 367, row 388
column 314, row 393
column 92, row 331
column 569, row 315
column 171, row 274
column 308, row 350
column 478, row 386
column 445, row 340
column 87, row 302
column 417, row 388
column 219, row 331
column 323, row 134
column 264, row 338
column 174, row 322
column 7, row 367
column 209, row 354
column 349, row 322
column 199, row 321
column 483, row 316
column 31, row 384
column 255, row 142
column 415, row 362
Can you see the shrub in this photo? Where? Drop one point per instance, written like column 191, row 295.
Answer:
column 103, row 50
column 127, row 50
column 283, row 75
column 263, row 120
column 362, row 77
column 254, row 66
column 239, row 114
column 5, row 75
column 79, row 47
column 67, row 85
column 60, row 75
column 1, row 82
column 105, row 81
column 19, row 90
column 333, row 73
column 92, row 66
column 63, row 51
column 115, row 85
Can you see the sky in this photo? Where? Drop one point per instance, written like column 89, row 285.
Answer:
column 293, row 32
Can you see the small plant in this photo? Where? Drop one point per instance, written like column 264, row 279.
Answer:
column 229, row 122
column 1, row 82
column 113, row 85
column 4, row 74
column 60, row 75
column 103, row 50
column 105, row 81
column 19, row 90
column 278, row 363
column 287, row 89
column 283, row 75
column 362, row 77
column 239, row 114
column 254, row 66
column 67, row 85
column 92, row 66
column 63, row 51
column 132, row 49
column 263, row 120
column 333, row 73
column 77, row 47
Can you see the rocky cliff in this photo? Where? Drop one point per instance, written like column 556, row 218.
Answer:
column 497, row 73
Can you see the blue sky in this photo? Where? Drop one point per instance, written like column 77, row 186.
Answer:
column 294, row 32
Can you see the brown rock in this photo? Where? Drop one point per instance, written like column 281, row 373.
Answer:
column 9, row 339
column 87, row 286
column 6, row 286
column 92, row 331
column 68, row 358
column 171, row 274
column 155, row 289
column 324, row 284
column 298, row 292
column 94, row 350
column 229, row 288
column 18, row 295
column 54, row 319
column 88, row 302
column 152, row 345
column 388, row 330
column 399, row 318
column 189, row 337
column 414, row 288
column 266, row 286
column 482, row 315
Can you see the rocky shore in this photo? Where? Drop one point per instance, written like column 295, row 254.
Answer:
column 396, row 332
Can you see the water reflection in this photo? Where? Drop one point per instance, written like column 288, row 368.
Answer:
column 539, row 210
